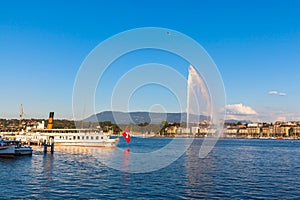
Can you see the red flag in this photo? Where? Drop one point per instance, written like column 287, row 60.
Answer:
column 126, row 135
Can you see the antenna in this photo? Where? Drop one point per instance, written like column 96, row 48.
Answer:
column 20, row 119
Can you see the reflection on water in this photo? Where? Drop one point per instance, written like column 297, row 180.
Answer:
column 84, row 150
column 243, row 169
column 198, row 171
column 126, row 159
column 48, row 169
column 125, row 181
column 47, row 163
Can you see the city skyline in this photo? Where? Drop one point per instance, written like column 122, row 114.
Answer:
column 255, row 46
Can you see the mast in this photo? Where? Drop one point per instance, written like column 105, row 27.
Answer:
column 20, row 118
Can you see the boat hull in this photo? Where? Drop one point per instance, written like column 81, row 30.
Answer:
column 107, row 143
column 69, row 137
column 7, row 151
column 22, row 151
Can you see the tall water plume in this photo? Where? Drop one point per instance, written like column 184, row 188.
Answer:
column 198, row 99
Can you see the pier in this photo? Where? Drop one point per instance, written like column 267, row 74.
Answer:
column 49, row 143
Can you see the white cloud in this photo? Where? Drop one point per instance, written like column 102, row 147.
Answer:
column 273, row 92
column 272, row 114
column 280, row 119
column 282, row 94
column 264, row 114
column 240, row 109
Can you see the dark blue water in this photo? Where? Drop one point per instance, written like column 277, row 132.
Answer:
column 235, row 169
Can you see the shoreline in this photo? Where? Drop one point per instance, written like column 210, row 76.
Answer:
column 248, row 138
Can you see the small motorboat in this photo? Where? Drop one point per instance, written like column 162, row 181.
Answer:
column 21, row 150
column 10, row 148
column 6, row 149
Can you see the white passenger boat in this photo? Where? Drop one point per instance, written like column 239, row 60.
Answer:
column 70, row 137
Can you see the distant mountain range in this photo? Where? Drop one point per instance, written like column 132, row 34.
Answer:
column 142, row 117
column 117, row 117
column 235, row 121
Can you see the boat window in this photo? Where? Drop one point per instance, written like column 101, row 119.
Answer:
column 74, row 137
column 97, row 137
column 87, row 137
column 92, row 137
column 101, row 138
column 78, row 137
column 82, row 137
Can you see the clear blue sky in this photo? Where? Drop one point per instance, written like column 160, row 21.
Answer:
column 255, row 45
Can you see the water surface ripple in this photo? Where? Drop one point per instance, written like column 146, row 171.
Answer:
column 235, row 169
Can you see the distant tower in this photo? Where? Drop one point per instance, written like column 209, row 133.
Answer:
column 20, row 119
column 50, row 120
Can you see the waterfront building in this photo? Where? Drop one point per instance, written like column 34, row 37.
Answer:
column 253, row 130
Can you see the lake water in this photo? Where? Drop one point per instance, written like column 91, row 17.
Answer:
column 235, row 169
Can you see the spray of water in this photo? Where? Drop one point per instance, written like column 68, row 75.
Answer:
column 198, row 98
column 199, row 103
